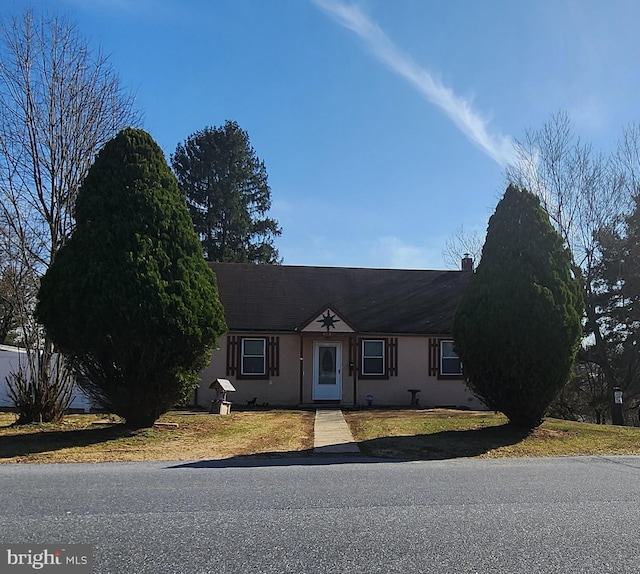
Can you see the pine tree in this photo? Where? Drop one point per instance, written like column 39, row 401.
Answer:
column 518, row 326
column 129, row 298
column 616, row 293
column 228, row 195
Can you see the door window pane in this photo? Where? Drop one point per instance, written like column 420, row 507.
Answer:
column 327, row 374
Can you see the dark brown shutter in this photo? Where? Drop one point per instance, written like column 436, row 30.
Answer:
column 434, row 357
column 232, row 356
column 392, row 356
column 273, row 356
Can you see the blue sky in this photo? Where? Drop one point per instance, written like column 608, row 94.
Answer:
column 384, row 125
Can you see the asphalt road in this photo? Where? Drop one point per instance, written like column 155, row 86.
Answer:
column 334, row 515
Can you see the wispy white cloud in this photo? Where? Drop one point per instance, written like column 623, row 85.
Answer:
column 392, row 252
column 497, row 146
column 388, row 252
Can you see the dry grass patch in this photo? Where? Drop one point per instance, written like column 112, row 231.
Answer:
column 100, row 438
column 440, row 434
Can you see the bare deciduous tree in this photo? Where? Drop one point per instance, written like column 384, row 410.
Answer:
column 59, row 104
column 584, row 193
column 578, row 187
column 460, row 244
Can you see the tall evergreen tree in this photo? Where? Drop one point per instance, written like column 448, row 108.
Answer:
column 228, row 195
column 584, row 192
column 129, row 298
column 518, row 326
column 616, row 294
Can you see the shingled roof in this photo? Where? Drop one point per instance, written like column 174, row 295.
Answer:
column 281, row 298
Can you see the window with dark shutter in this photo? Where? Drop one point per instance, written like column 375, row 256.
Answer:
column 443, row 362
column 450, row 364
column 373, row 357
column 253, row 361
column 378, row 358
column 253, row 357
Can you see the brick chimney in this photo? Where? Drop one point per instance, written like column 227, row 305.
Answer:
column 467, row 263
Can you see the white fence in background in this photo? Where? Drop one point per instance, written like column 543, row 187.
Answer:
column 10, row 359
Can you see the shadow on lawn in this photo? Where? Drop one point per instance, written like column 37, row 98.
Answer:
column 44, row 441
column 437, row 446
column 446, row 444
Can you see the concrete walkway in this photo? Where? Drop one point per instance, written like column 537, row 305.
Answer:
column 331, row 433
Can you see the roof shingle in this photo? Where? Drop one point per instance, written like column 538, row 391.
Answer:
column 280, row 298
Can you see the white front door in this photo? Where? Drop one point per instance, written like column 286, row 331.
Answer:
column 327, row 371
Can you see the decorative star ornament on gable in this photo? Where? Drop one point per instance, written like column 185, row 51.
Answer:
column 328, row 321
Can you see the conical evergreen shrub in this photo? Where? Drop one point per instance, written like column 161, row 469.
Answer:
column 518, row 325
column 129, row 298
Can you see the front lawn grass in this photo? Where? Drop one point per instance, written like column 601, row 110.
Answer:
column 441, row 434
column 181, row 435
column 402, row 433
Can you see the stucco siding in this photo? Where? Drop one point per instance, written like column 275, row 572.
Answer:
column 413, row 373
column 283, row 388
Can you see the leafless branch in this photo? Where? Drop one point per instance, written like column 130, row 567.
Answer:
column 59, row 104
column 460, row 244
